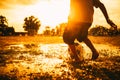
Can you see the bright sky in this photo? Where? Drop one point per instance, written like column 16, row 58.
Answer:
column 51, row 12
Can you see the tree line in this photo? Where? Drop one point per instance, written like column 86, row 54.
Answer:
column 33, row 24
column 99, row 30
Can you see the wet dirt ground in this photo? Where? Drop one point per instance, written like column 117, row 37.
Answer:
column 52, row 62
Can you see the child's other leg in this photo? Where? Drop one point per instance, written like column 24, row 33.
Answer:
column 94, row 51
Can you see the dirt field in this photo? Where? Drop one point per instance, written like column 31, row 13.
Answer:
column 47, row 58
column 113, row 40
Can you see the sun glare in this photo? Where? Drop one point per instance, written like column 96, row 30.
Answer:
column 52, row 12
column 49, row 12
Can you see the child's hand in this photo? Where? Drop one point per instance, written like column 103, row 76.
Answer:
column 110, row 22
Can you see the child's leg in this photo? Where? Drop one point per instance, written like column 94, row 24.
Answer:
column 94, row 51
column 74, row 53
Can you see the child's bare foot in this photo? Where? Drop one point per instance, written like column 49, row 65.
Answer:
column 75, row 58
column 95, row 55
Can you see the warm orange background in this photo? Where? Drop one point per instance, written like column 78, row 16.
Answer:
column 51, row 12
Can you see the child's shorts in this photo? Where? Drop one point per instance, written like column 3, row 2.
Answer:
column 77, row 31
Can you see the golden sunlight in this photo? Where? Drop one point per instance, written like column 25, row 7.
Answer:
column 52, row 12
column 49, row 12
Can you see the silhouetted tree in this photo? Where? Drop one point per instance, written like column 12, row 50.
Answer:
column 3, row 21
column 47, row 30
column 57, row 30
column 4, row 29
column 102, row 31
column 62, row 27
column 113, row 31
column 53, row 32
column 31, row 25
column 98, row 31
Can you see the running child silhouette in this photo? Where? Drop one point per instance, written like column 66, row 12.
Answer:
column 79, row 21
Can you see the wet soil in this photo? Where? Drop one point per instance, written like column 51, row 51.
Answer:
column 43, row 61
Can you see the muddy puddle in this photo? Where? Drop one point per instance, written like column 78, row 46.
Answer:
column 51, row 62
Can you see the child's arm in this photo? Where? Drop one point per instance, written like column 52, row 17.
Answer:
column 97, row 3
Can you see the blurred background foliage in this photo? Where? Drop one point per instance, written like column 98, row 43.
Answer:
column 99, row 30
